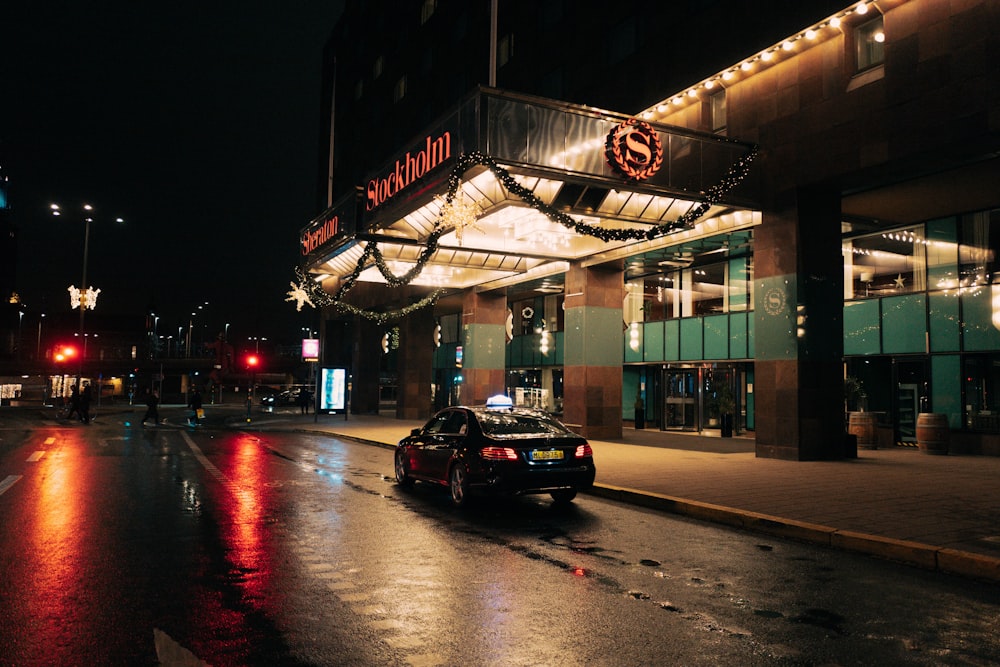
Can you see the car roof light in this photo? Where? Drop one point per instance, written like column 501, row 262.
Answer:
column 499, row 402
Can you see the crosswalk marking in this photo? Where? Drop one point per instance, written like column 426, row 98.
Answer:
column 9, row 482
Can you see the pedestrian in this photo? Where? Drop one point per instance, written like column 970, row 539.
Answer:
column 152, row 403
column 74, row 402
column 85, row 398
column 305, row 398
column 195, row 405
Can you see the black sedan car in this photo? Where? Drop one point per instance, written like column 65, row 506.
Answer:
column 496, row 449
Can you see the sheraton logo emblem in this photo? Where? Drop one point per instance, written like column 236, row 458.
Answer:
column 633, row 149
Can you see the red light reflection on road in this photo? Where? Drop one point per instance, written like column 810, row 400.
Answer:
column 56, row 550
column 246, row 513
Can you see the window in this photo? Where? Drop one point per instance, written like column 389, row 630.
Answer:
column 399, row 90
column 885, row 264
column 377, row 67
column 718, row 101
column 505, row 50
column 427, row 11
column 869, row 39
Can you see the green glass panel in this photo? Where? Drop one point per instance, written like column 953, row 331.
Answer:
column 691, row 339
column 944, row 322
column 716, row 337
column 484, row 346
column 633, row 348
column 861, row 327
column 904, row 324
column 652, row 341
column 514, row 347
column 774, row 305
column 560, row 347
column 593, row 336
column 977, row 315
column 672, row 340
column 751, row 326
column 946, row 387
column 738, row 336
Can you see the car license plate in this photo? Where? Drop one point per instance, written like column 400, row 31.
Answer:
column 546, row 454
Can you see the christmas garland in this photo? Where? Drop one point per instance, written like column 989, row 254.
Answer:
column 317, row 296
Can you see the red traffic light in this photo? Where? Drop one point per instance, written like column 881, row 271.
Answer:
column 253, row 361
column 64, row 353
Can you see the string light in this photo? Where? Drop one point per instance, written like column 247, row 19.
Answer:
column 318, row 297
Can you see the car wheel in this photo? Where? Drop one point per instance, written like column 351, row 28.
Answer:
column 563, row 496
column 402, row 471
column 459, row 485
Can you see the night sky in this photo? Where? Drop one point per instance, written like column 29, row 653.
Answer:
column 197, row 122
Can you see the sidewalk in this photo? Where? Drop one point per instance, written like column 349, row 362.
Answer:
column 936, row 512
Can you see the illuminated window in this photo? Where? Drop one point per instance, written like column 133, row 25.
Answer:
column 869, row 39
column 505, row 50
column 399, row 90
column 719, row 112
column 427, row 11
column 885, row 264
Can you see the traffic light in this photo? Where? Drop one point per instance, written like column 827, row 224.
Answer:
column 253, row 361
column 64, row 353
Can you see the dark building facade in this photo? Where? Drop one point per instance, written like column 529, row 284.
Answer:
column 669, row 216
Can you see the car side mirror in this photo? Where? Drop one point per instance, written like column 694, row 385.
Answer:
column 415, row 432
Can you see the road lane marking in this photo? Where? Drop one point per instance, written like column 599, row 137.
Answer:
column 37, row 456
column 50, row 441
column 9, row 482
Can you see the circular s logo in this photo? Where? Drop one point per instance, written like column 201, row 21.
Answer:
column 774, row 301
column 633, row 149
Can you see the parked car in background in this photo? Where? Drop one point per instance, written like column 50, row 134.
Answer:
column 496, row 449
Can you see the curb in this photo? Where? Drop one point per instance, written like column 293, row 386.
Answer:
column 939, row 559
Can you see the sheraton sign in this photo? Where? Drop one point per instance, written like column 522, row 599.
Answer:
column 313, row 237
column 407, row 170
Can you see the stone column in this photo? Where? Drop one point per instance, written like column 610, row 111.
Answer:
column 799, row 346
column 416, row 364
column 484, row 346
column 593, row 357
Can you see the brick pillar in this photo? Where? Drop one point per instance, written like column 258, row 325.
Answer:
column 799, row 346
column 593, row 357
column 416, row 364
column 484, row 346
column 367, row 354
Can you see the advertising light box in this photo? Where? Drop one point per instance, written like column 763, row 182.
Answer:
column 333, row 389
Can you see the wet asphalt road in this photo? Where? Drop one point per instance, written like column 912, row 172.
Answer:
column 287, row 549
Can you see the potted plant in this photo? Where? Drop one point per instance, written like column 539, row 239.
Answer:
column 640, row 411
column 727, row 408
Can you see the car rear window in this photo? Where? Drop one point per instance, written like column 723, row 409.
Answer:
column 507, row 423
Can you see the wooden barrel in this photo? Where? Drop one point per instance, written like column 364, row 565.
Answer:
column 862, row 425
column 932, row 432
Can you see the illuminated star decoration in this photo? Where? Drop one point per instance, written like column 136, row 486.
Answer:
column 83, row 298
column 899, row 281
column 459, row 214
column 299, row 295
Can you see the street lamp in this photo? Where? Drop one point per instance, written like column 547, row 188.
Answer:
column 88, row 298
column 38, row 347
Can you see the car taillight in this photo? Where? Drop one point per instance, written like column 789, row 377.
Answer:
column 583, row 451
column 498, row 454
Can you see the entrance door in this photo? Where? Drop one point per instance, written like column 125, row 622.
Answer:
column 680, row 399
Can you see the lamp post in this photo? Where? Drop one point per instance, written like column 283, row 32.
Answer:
column 38, row 345
column 87, row 296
